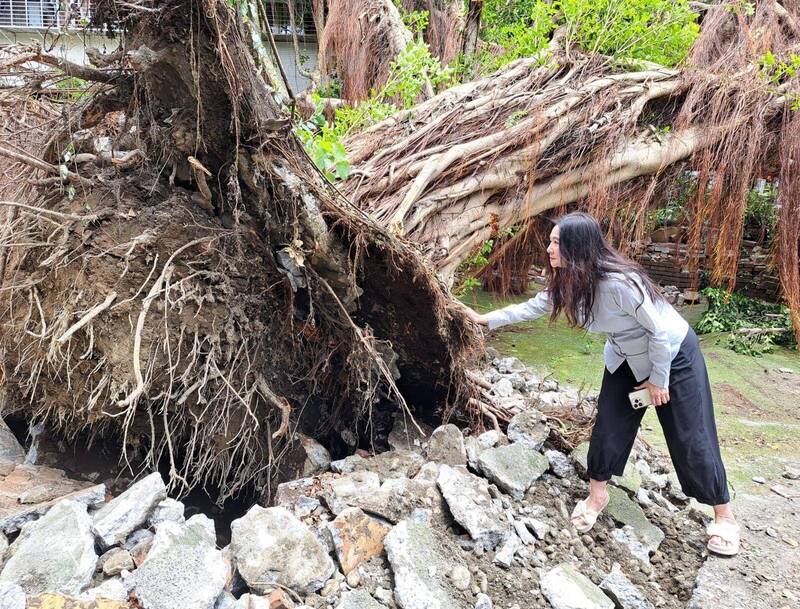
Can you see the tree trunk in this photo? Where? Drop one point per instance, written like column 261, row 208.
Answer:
column 208, row 302
column 472, row 27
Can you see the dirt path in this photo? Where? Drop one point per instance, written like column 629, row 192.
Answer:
column 766, row 574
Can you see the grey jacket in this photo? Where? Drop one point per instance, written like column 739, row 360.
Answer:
column 646, row 334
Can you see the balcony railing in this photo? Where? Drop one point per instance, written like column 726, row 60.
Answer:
column 44, row 14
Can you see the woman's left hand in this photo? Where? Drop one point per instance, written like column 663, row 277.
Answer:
column 658, row 395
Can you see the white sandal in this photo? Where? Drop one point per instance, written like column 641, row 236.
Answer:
column 588, row 515
column 728, row 532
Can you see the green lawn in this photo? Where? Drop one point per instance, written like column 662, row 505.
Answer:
column 757, row 408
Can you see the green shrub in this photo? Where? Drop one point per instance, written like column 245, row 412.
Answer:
column 730, row 312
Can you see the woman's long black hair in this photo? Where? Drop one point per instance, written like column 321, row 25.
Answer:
column 586, row 259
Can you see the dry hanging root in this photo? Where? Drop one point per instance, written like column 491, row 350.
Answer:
column 560, row 128
column 202, row 324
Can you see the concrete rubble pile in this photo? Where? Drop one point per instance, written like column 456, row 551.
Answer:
column 440, row 520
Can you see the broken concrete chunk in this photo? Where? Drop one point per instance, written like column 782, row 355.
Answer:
column 115, row 561
column 627, row 512
column 358, row 599
column 447, row 446
column 116, row 519
column 513, row 468
column 55, row 553
column 559, row 463
column 624, row 594
column 271, row 546
column 356, row 537
column 471, row 505
column 12, row 596
column 566, row 588
column 627, row 537
column 183, row 569
column 397, row 499
column 505, row 555
column 318, row 459
column 503, row 388
column 11, row 450
column 30, row 490
column 112, row 589
column 419, row 568
column 167, row 510
column 390, row 464
column 529, row 428
column 342, row 493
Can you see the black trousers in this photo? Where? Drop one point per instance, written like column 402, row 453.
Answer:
column 687, row 420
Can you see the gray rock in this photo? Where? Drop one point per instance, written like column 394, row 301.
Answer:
column 663, row 502
column 625, row 511
column 358, row 599
column 489, row 439
column 112, row 589
column 473, row 449
column 539, row 527
column 397, row 499
column 630, row 479
column 559, row 463
column 528, row 428
column 505, row 555
column 12, row 596
column 513, row 468
column 11, row 451
column 55, row 553
column 523, row 533
column 113, row 522
column 183, row 569
column 115, row 561
column 305, row 506
column 447, row 446
column 460, row 577
column 384, row 596
column 226, row 600
column 549, row 385
column 344, row 492
column 205, row 522
column 579, row 457
column 791, row 473
column 418, row 566
column 566, row 588
column 167, row 510
column 3, row 546
column 390, row 464
column 507, row 365
column 271, row 546
column 483, row 602
column 643, row 497
column 289, row 492
column 624, row 594
column 469, row 501
column 759, row 479
column 137, row 537
column 252, row 601
column 503, row 388
column 627, row 537
column 318, row 459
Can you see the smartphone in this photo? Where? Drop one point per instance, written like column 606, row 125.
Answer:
column 640, row 399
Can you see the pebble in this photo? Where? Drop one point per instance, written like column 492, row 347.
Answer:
column 460, row 577
column 759, row 479
column 483, row 602
column 384, row 596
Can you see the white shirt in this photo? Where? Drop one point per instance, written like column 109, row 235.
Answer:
column 645, row 334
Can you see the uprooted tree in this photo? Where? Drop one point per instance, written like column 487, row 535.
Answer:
column 192, row 288
column 608, row 132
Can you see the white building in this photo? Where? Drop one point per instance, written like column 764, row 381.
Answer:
column 59, row 26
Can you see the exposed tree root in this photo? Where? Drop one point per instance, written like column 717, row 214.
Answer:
column 204, row 304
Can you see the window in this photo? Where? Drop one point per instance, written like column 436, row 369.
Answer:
column 277, row 12
column 43, row 14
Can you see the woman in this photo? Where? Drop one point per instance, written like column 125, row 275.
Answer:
column 649, row 346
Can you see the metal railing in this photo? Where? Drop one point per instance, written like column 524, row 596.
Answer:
column 277, row 13
column 44, row 14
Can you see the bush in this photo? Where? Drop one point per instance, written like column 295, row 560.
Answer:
column 730, row 312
